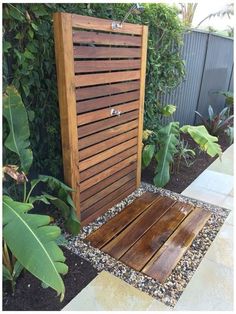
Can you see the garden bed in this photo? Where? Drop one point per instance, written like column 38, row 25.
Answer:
column 186, row 175
column 30, row 296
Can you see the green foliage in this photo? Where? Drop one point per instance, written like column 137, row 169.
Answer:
column 168, row 148
column 29, row 64
column 168, row 140
column 230, row 133
column 41, row 256
column 207, row 142
column 168, row 110
column 17, row 140
column 229, row 97
column 216, row 123
column 62, row 200
column 183, row 152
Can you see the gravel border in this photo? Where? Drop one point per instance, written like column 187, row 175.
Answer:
column 171, row 290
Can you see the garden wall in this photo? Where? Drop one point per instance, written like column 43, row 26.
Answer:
column 209, row 68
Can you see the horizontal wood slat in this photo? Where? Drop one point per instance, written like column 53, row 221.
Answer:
column 104, row 66
column 103, row 78
column 97, row 38
column 106, row 173
column 103, row 90
column 108, row 123
column 107, row 190
column 119, row 245
column 88, row 105
column 119, row 222
column 101, row 114
column 109, row 198
column 116, row 199
column 106, row 182
column 88, row 22
column 143, row 250
column 106, row 134
column 85, row 52
column 84, row 164
column 95, row 149
column 86, row 174
column 162, row 263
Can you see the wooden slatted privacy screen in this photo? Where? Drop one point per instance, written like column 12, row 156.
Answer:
column 100, row 69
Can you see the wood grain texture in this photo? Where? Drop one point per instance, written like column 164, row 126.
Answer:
column 105, row 39
column 104, row 78
column 85, row 52
column 89, row 218
column 106, row 182
column 144, row 249
column 89, row 105
column 142, row 95
column 164, row 261
column 106, row 65
column 101, row 114
column 116, row 224
column 97, row 168
column 87, row 22
column 108, row 199
column 106, row 173
column 117, row 247
column 107, row 134
column 107, row 190
column 104, row 90
column 67, row 101
column 106, row 124
column 107, row 144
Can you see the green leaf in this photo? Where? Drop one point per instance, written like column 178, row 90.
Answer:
column 6, row 274
column 40, row 198
column 32, row 242
column 18, row 139
column 168, row 110
column 62, row 200
column 147, row 154
column 207, row 142
column 164, row 156
column 17, row 270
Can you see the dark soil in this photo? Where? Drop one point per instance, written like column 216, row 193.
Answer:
column 180, row 180
column 30, row 296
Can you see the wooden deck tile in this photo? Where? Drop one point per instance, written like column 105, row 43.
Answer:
column 143, row 250
column 115, row 225
column 119, row 245
column 161, row 265
column 151, row 234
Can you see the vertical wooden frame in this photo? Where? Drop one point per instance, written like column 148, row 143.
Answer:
column 142, row 95
column 67, row 101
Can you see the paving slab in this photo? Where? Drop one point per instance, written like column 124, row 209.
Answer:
column 109, row 293
column 210, row 289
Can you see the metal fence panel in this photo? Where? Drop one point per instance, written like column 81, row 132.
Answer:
column 209, row 63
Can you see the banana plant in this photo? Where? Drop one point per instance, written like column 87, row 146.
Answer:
column 32, row 241
column 163, row 146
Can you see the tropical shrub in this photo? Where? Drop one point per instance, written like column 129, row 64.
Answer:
column 163, row 146
column 29, row 65
column 29, row 239
column 216, row 123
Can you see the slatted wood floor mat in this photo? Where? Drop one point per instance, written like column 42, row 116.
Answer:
column 151, row 234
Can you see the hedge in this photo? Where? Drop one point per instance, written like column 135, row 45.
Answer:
column 29, row 64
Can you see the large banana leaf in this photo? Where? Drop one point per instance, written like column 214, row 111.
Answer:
column 168, row 140
column 32, row 242
column 207, row 142
column 18, row 139
column 147, row 154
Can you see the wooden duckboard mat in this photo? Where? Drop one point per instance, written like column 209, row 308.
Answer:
column 151, row 234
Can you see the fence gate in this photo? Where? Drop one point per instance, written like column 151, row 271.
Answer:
column 101, row 81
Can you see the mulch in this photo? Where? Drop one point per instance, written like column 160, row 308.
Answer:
column 30, row 296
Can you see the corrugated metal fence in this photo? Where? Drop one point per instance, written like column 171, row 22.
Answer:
column 209, row 68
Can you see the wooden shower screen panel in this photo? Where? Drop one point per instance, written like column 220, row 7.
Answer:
column 101, row 81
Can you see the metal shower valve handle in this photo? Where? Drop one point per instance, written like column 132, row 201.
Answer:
column 115, row 112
